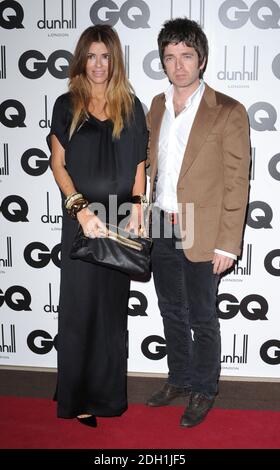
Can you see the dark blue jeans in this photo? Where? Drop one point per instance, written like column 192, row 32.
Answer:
column 186, row 294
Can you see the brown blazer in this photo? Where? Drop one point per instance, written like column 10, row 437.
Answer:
column 214, row 176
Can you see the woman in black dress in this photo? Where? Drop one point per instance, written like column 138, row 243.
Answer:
column 98, row 142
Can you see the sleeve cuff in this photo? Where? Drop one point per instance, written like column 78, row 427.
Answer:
column 225, row 253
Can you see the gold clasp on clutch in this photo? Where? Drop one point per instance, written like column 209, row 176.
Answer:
column 125, row 241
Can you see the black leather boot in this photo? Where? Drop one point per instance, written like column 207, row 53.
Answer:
column 196, row 411
column 166, row 395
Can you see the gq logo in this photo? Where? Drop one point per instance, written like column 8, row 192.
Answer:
column 252, row 307
column 13, row 120
column 17, row 298
column 41, row 342
column 265, row 123
column 41, row 64
column 242, row 13
column 113, row 13
column 159, row 351
column 7, row 20
column 274, row 167
column 155, row 73
column 270, row 352
column 19, row 210
column 270, row 265
column 263, row 220
column 40, row 164
column 139, row 308
column 44, row 255
column 276, row 66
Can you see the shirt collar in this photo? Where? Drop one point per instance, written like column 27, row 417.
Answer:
column 196, row 95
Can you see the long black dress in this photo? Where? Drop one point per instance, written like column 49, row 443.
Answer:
column 92, row 326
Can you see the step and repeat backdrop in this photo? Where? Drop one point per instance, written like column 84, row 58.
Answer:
column 37, row 39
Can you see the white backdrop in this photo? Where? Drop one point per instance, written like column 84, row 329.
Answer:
column 37, row 39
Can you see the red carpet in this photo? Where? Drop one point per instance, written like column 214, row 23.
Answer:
column 28, row 423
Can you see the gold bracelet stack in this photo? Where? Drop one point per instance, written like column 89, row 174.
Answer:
column 74, row 203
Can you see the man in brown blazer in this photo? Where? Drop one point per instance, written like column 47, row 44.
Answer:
column 199, row 163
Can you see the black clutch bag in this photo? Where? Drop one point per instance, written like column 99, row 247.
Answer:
column 119, row 250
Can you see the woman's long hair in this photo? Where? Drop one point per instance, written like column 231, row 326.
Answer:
column 119, row 93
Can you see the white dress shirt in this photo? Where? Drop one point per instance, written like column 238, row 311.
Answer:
column 173, row 139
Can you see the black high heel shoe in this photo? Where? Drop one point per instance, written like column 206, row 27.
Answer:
column 88, row 421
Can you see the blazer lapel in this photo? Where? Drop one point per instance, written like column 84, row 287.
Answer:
column 158, row 113
column 206, row 115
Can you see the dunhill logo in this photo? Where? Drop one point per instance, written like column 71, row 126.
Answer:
column 4, row 170
column 60, row 23
column 7, row 262
column 3, row 67
column 8, row 348
column 244, row 270
column 253, row 163
column 234, row 357
column 48, row 218
column 191, row 14
column 126, row 60
column 50, row 308
column 45, row 123
column 241, row 74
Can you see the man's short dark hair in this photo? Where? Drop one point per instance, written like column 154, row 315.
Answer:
column 188, row 32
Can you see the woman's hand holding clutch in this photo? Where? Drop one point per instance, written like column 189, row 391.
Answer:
column 91, row 224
